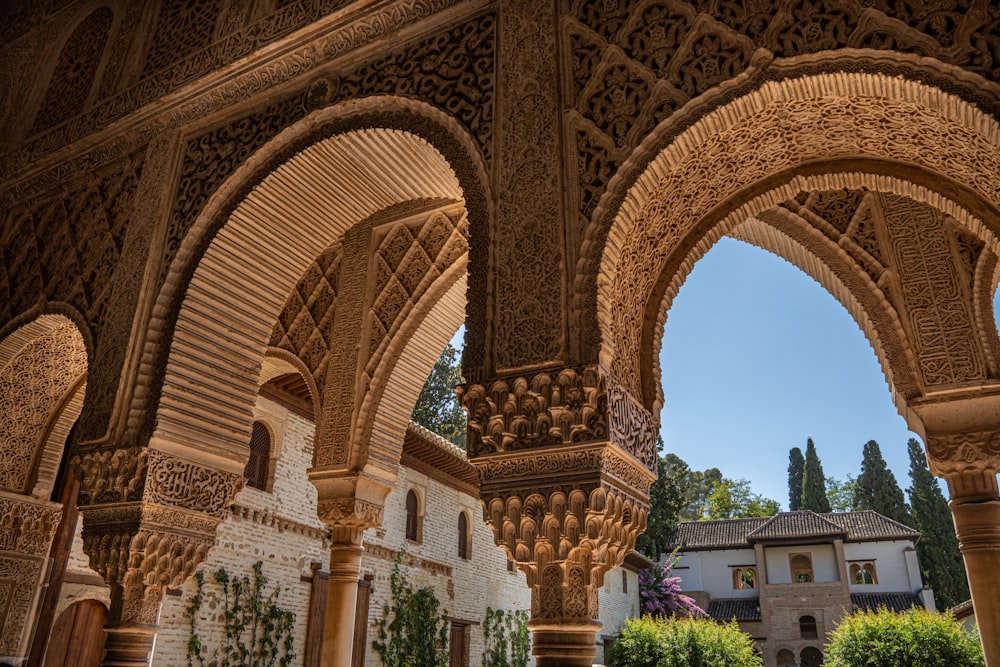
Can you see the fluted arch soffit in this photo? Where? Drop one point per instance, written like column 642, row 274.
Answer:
column 253, row 263
column 43, row 368
column 816, row 133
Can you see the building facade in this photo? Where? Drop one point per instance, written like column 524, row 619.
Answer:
column 197, row 197
column 788, row 579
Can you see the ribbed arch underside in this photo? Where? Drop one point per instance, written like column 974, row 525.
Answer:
column 756, row 152
column 253, row 263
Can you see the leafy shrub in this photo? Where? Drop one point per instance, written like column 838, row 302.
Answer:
column 914, row 637
column 683, row 642
column 506, row 639
column 417, row 634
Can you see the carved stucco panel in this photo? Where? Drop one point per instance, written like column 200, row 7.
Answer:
column 33, row 386
column 764, row 133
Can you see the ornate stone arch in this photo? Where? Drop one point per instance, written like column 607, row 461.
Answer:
column 74, row 74
column 818, row 132
column 43, row 369
column 390, row 149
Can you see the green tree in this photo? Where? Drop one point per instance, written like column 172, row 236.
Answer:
column 437, row 407
column 696, row 485
column 914, row 637
column 659, row 641
column 666, row 498
column 733, row 499
column 505, row 638
column 796, row 468
column 841, row 494
column 877, row 488
column 813, row 482
column 413, row 632
column 940, row 558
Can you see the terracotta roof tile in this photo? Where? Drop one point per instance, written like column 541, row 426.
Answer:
column 742, row 609
column 891, row 601
column 863, row 526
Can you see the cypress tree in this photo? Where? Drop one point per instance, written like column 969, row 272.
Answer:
column 877, row 488
column 940, row 558
column 813, row 482
column 796, row 467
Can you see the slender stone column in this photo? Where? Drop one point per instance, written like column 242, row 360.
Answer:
column 564, row 644
column 975, row 506
column 129, row 646
column 342, row 598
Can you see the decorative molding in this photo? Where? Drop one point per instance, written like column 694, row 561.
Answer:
column 174, row 482
column 283, row 525
column 350, row 511
column 409, row 559
column 27, row 525
column 954, row 454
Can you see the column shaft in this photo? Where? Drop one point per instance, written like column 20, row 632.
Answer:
column 342, row 600
column 569, row 644
column 975, row 506
column 128, row 646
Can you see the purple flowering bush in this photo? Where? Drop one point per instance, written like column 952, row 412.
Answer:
column 661, row 594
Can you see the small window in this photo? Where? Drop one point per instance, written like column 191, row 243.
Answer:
column 464, row 551
column 807, row 627
column 863, row 573
column 744, row 578
column 256, row 470
column 412, row 516
column 510, row 565
column 624, row 581
column 802, row 569
column 786, row 658
column 811, row 657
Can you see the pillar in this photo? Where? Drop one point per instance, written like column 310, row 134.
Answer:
column 963, row 446
column 349, row 503
column 565, row 489
column 975, row 507
column 149, row 519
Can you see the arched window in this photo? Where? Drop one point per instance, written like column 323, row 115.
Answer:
column 412, row 516
column 807, row 627
column 802, row 568
column 744, row 578
column 863, row 573
column 785, row 658
column 256, row 472
column 811, row 657
column 463, row 537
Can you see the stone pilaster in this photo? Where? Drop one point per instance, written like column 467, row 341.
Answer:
column 564, row 480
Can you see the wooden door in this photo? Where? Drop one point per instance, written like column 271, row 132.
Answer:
column 77, row 638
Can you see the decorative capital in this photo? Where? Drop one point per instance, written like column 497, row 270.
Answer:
column 172, row 481
column 954, row 454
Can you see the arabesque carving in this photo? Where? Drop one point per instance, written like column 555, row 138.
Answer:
column 112, row 475
column 954, row 454
column 548, row 408
column 32, row 386
column 174, row 482
column 27, row 525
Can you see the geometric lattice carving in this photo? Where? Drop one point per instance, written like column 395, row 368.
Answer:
column 68, row 247
column 408, row 259
column 33, row 385
column 183, row 27
column 303, row 327
column 73, row 77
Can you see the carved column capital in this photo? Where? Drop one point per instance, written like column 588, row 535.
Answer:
column 961, row 431
column 969, row 452
column 351, row 502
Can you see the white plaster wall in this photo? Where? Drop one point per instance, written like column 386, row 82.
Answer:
column 242, row 541
column 617, row 605
column 824, row 563
column 890, row 565
column 711, row 571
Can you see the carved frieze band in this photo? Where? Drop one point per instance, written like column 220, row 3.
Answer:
column 955, row 454
column 27, row 524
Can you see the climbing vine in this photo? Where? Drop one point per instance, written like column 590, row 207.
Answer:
column 506, row 638
column 257, row 631
column 413, row 632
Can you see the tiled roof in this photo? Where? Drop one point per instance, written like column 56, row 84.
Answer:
column 864, row 526
column 725, row 534
column 742, row 609
column 793, row 525
column 891, row 601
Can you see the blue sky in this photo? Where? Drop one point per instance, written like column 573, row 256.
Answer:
column 756, row 358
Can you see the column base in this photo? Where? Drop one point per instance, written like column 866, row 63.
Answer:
column 129, row 646
column 564, row 644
